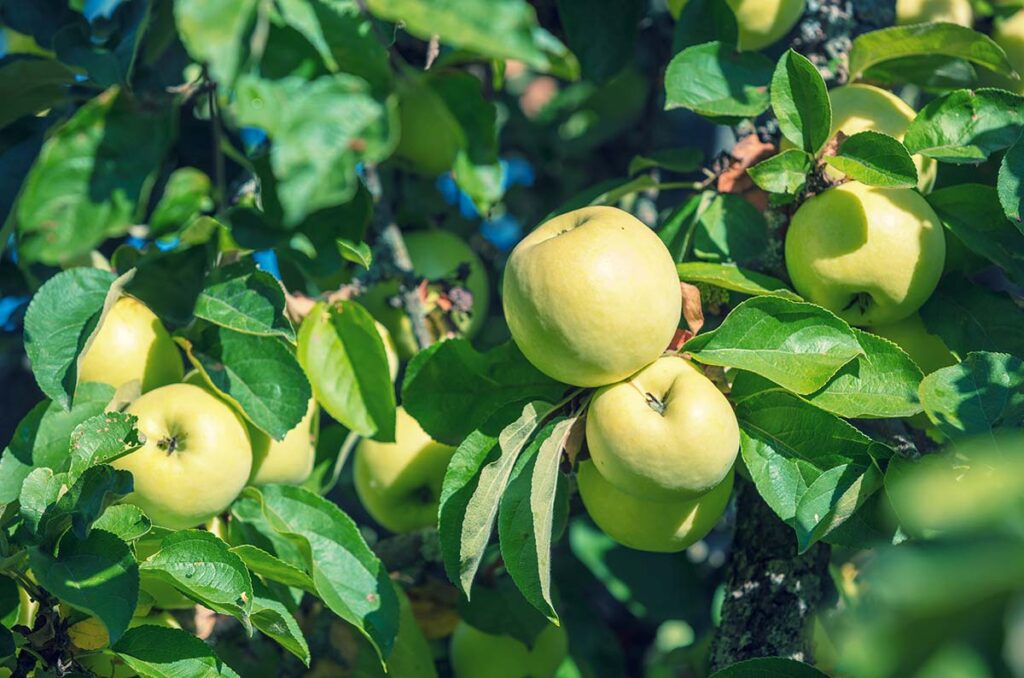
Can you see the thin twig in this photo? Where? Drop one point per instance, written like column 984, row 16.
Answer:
column 218, row 157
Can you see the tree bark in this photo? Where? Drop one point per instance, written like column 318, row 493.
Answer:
column 771, row 591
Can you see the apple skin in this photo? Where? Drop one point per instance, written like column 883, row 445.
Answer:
column 206, row 470
column 399, row 483
column 886, row 246
column 131, row 345
column 475, row 654
column 107, row 665
column 431, row 137
column 591, row 296
column 761, row 22
column 924, row 348
column 434, row 254
column 925, row 11
column 660, row 527
column 682, row 452
column 1009, row 34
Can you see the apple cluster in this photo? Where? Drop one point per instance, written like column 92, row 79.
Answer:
column 592, row 299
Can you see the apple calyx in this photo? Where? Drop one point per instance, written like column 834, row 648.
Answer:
column 654, row 403
column 170, row 444
column 860, row 301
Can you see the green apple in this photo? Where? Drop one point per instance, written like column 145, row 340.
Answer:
column 761, row 22
column 131, row 345
column 475, row 654
column 196, row 459
column 592, row 296
column 109, row 666
column 925, row 11
column 1009, row 34
column 872, row 256
column 399, row 483
column 431, row 137
column 662, row 527
column 664, row 434
column 435, row 254
column 924, row 348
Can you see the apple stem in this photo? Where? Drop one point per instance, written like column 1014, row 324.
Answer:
column 654, row 403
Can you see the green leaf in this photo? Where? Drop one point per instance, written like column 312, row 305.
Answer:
column 42, row 438
column 882, row 382
column 349, row 578
column 526, row 515
column 39, row 491
column 29, row 85
column 930, row 39
column 966, row 126
column 126, row 521
column 83, row 503
column 243, row 298
column 684, row 159
column 344, row 357
column 769, row 667
column 62, row 317
column 704, row 21
column 499, row 608
column 167, row 282
column 201, row 566
column 983, row 393
column 97, row 575
column 973, row 214
column 476, row 479
column 875, row 159
column 160, row 652
column 730, row 277
column 811, row 467
column 969, row 318
column 935, row 74
column 101, row 439
column 215, row 33
column 451, row 389
column 797, row 345
column 800, row 102
column 259, row 374
column 273, row 568
column 730, row 229
column 601, row 33
column 502, row 29
column 320, row 130
column 271, row 617
column 715, row 80
column 357, row 253
column 186, row 195
column 92, row 177
column 1011, row 183
column 785, row 173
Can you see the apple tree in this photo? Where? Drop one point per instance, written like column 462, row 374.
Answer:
column 487, row 338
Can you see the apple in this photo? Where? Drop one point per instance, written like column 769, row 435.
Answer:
column 104, row 664
column 664, row 434
column 870, row 255
column 647, row 525
column 761, row 22
column 475, row 654
column 591, row 296
column 924, row 348
column 399, row 483
column 435, row 254
column 131, row 345
column 1009, row 34
column 431, row 137
column 925, row 11
column 196, row 459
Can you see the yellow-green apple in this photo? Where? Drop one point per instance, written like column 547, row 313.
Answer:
column 475, row 654
column 435, row 254
column 924, row 348
column 430, row 135
column 288, row 461
column 760, row 22
column 925, row 11
column 645, row 525
column 870, row 255
column 1009, row 34
column 196, row 459
column 663, row 434
column 592, row 296
column 109, row 666
column 131, row 345
column 399, row 483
